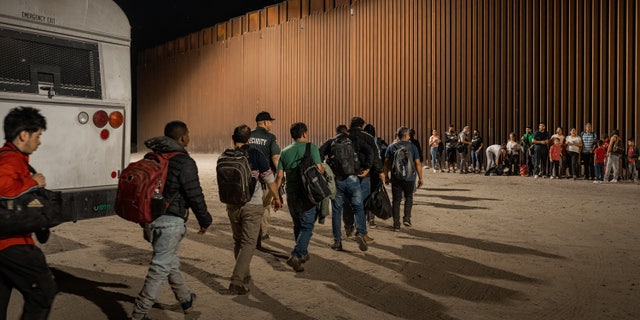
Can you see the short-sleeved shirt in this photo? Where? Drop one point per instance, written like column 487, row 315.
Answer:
column 260, row 169
column 266, row 142
column 588, row 141
column 476, row 142
column 541, row 136
column 414, row 151
column 450, row 139
column 571, row 143
column 290, row 159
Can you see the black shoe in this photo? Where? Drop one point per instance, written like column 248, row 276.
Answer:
column 43, row 235
column 188, row 305
column 294, row 263
column 362, row 244
column 238, row 290
column 337, row 246
column 305, row 258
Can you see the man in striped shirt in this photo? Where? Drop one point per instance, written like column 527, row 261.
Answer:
column 589, row 140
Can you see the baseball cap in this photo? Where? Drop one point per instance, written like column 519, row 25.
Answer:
column 263, row 116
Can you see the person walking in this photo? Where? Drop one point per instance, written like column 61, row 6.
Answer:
column 402, row 168
column 167, row 231
column 245, row 219
column 23, row 265
column 265, row 141
column 303, row 212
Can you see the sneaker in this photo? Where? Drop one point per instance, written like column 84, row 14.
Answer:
column 442, row 170
column 407, row 224
column 362, row 244
column 535, row 176
column 337, row 246
column 595, row 182
column 188, row 305
column 237, row 289
column 305, row 258
column 295, row 264
column 396, row 229
column 434, row 170
column 372, row 225
column 348, row 232
column 368, row 239
column 614, row 181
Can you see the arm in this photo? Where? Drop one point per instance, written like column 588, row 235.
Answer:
column 419, row 172
column 386, row 170
column 190, row 183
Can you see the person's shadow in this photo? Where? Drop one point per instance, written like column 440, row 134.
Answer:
column 107, row 301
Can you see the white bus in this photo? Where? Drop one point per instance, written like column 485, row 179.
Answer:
column 71, row 60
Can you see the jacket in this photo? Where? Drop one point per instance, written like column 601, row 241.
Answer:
column 182, row 187
column 325, row 206
column 15, row 178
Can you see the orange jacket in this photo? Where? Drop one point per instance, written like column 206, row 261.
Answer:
column 15, row 178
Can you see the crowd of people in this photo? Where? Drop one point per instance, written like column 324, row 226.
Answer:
column 538, row 154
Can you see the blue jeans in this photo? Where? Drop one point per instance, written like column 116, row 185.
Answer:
column 476, row 160
column 347, row 211
column 303, row 223
column 435, row 159
column 599, row 171
column 165, row 234
column 349, row 189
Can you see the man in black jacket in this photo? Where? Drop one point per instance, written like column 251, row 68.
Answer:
column 183, row 191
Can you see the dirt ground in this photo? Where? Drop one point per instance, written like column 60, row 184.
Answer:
column 480, row 248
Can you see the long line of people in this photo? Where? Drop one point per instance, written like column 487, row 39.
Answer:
column 538, row 154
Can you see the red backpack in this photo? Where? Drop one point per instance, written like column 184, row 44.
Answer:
column 139, row 197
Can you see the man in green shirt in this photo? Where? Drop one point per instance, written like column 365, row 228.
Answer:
column 526, row 143
column 303, row 212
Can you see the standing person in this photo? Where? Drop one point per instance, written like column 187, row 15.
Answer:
column 265, row 141
column 402, row 187
column 540, row 142
column 464, row 141
column 245, row 219
column 450, row 140
column 632, row 157
column 476, row 152
column 339, row 153
column 527, row 146
column 563, row 164
column 514, row 151
column 574, row 143
column 589, row 143
column 167, row 231
column 23, row 265
column 599, row 154
column 375, row 175
column 555, row 157
column 416, row 142
column 614, row 153
column 434, row 141
column 357, row 133
column 303, row 212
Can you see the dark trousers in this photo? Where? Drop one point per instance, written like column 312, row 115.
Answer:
column 573, row 160
column 542, row 161
column 589, row 168
column 398, row 190
column 24, row 268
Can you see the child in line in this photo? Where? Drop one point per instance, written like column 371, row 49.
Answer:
column 600, row 153
column 555, row 156
column 632, row 156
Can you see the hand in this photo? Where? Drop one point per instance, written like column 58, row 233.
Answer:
column 40, row 179
column 419, row 182
column 363, row 173
column 276, row 204
column 202, row 230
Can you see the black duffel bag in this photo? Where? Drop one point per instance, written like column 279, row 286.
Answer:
column 36, row 210
column 378, row 202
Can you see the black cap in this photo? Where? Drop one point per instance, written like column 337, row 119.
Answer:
column 264, row 116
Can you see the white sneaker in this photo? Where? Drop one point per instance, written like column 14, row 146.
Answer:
column 434, row 170
column 614, row 181
column 535, row 176
column 595, row 181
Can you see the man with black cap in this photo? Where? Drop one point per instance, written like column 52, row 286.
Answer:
column 265, row 141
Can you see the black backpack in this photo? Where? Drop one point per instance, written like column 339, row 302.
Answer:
column 235, row 182
column 314, row 183
column 343, row 156
column 403, row 165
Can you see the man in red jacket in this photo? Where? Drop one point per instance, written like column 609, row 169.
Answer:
column 22, row 264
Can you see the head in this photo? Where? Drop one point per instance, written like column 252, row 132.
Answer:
column 451, row 128
column 512, row 136
column 542, row 126
column 177, row 130
column 556, row 141
column 264, row 119
column 600, row 143
column 559, row 130
column 466, row 129
column 588, row 127
column 631, row 142
column 573, row 132
column 412, row 133
column 528, row 129
column 298, row 131
column 23, row 127
column 357, row 122
column 241, row 134
column 370, row 129
column 403, row 134
column 605, row 136
column 615, row 132
column 342, row 129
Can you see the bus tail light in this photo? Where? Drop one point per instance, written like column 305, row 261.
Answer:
column 116, row 119
column 100, row 118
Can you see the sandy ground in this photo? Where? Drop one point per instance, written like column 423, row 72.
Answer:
column 480, row 248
